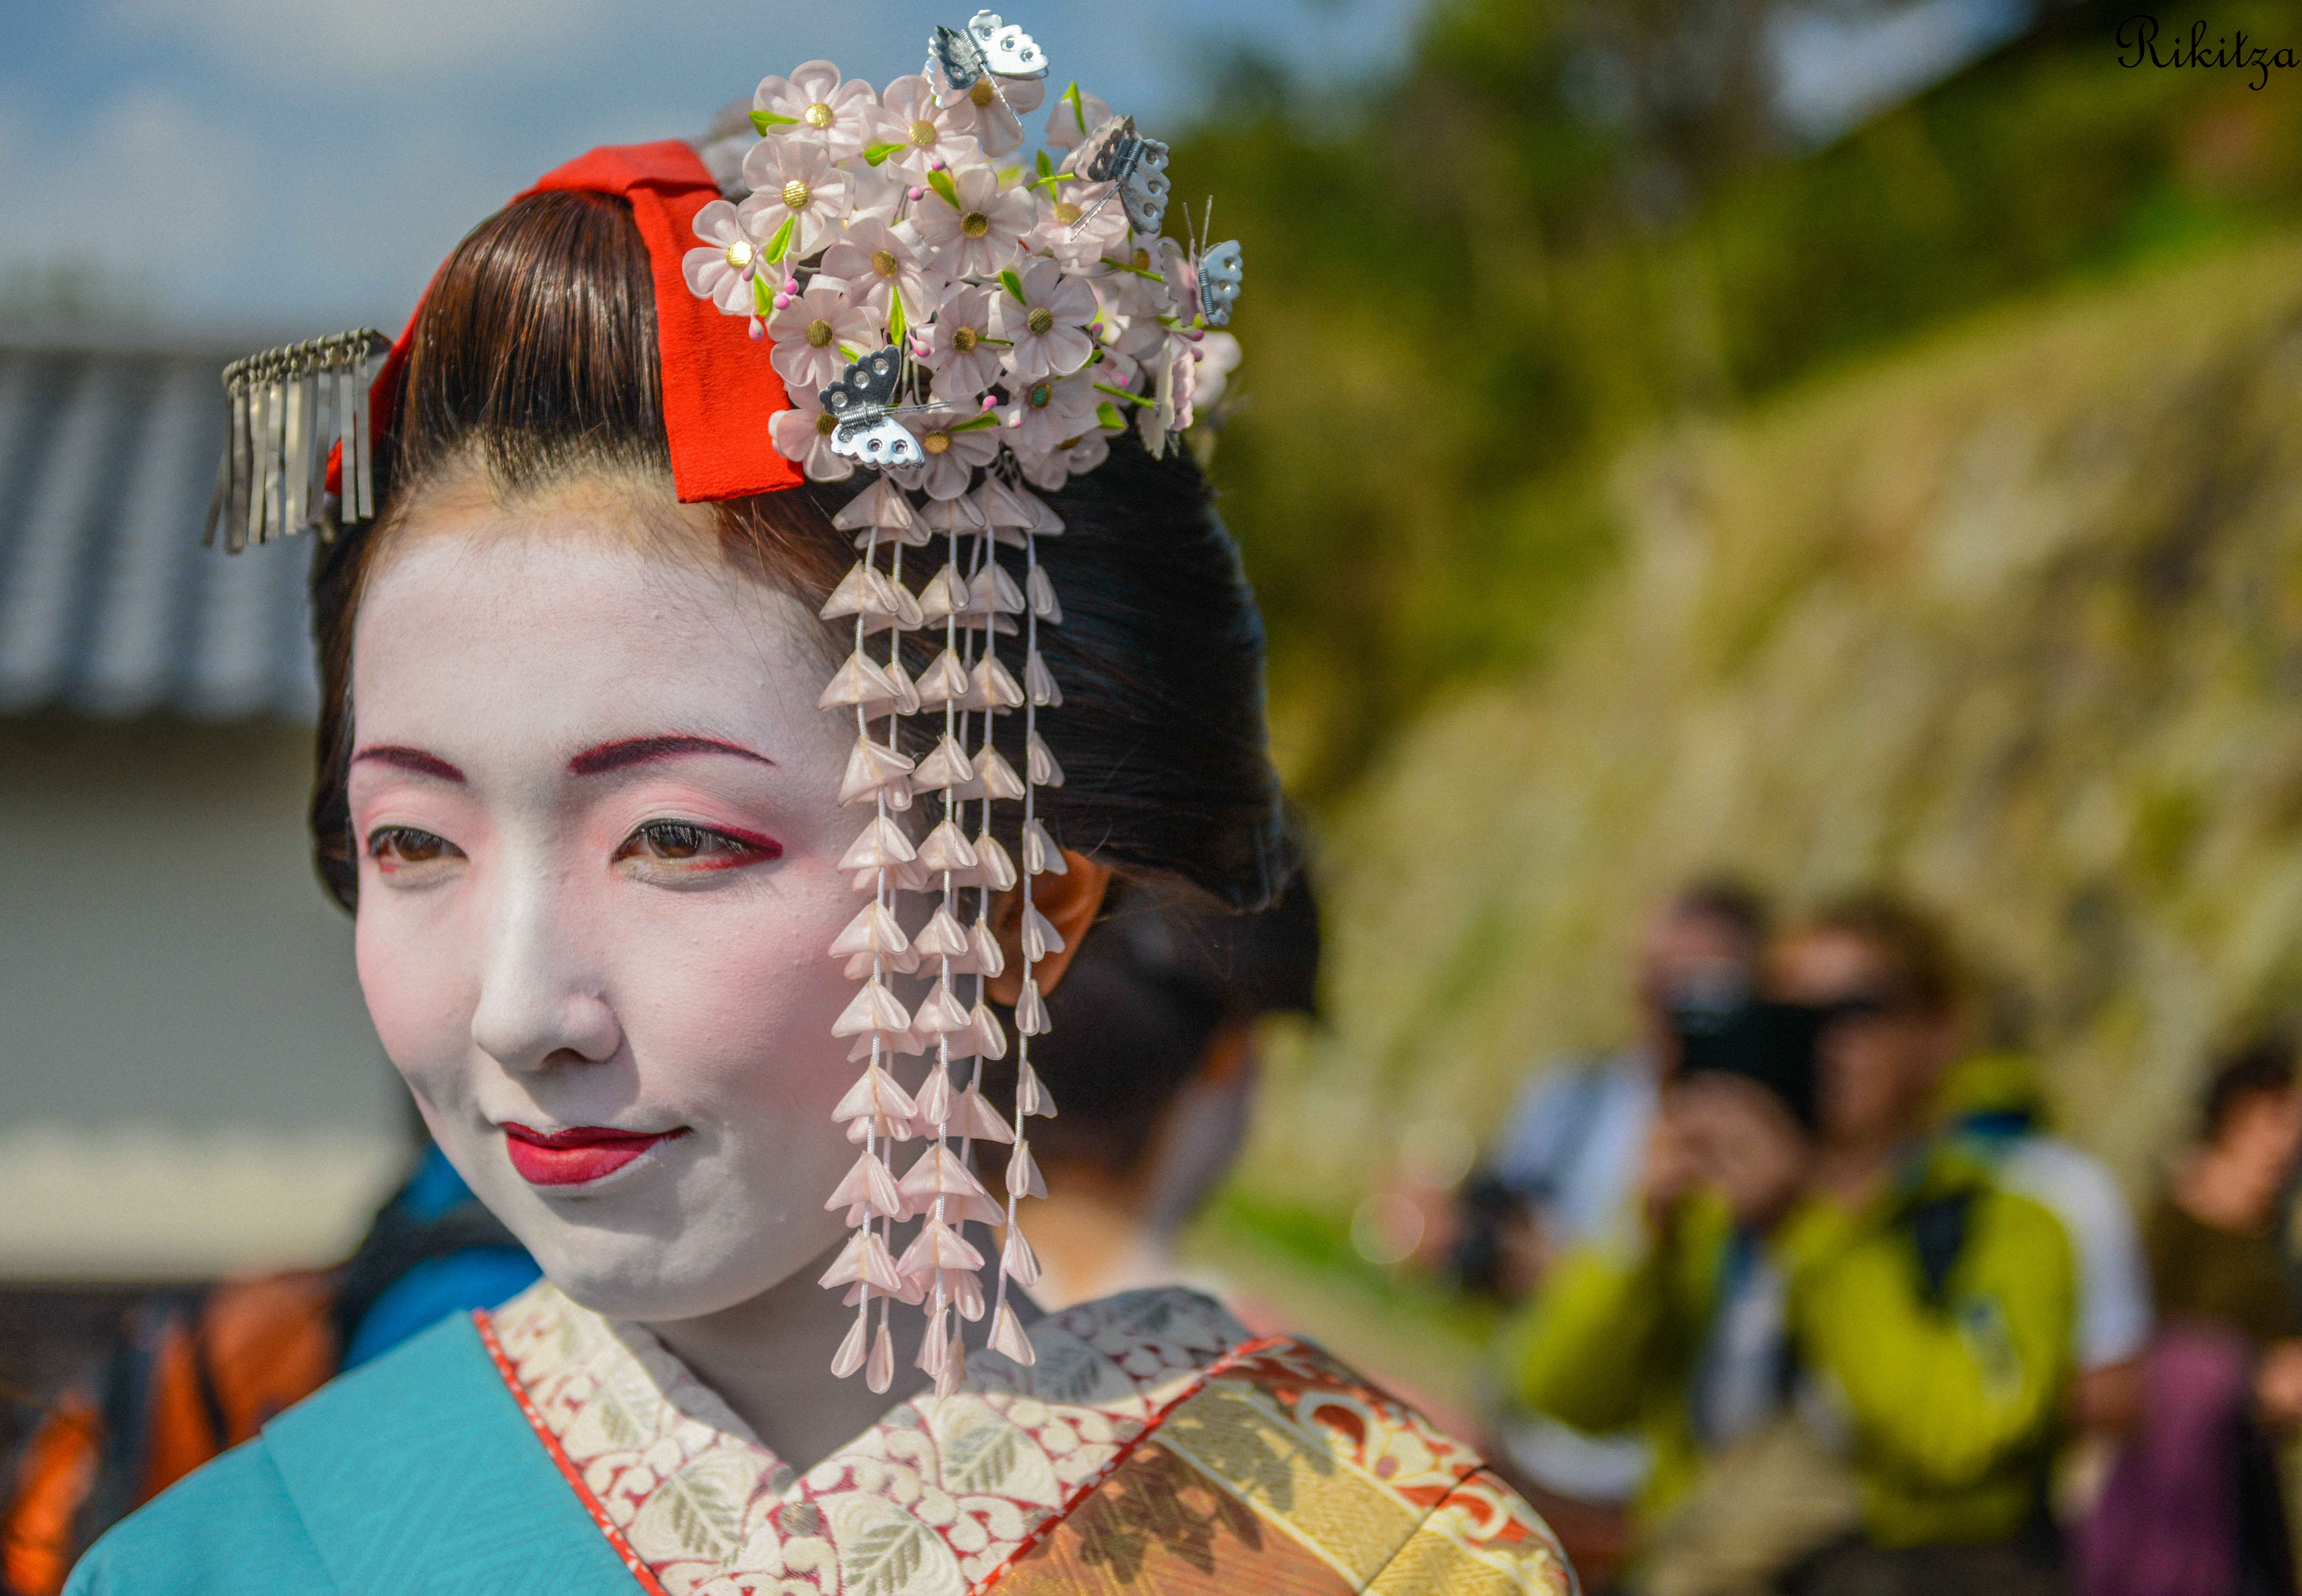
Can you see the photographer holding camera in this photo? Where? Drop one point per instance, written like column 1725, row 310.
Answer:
column 1847, row 1343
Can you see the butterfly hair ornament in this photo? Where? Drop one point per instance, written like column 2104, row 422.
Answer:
column 880, row 277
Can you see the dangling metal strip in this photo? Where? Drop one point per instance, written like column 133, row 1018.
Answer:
column 272, row 481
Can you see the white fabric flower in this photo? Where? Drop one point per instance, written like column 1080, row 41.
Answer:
column 881, row 261
column 880, row 191
column 996, row 126
column 960, row 348
column 952, row 457
column 816, row 105
column 722, row 272
column 820, row 332
column 1076, row 115
column 803, row 433
column 1045, row 330
column 1047, row 414
column 924, row 132
column 794, row 181
column 980, row 234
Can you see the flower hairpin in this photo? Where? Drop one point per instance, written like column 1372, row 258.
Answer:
column 966, row 331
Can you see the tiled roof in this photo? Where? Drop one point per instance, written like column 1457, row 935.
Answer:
column 108, row 603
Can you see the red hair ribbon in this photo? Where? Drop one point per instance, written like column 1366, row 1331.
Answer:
column 718, row 388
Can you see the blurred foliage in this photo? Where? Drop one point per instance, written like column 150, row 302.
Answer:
column 1567, row 223
column 2009, row 622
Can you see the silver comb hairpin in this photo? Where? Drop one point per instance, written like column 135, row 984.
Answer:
column 272, row 480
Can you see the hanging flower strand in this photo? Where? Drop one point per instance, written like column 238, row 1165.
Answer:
column 953, row 326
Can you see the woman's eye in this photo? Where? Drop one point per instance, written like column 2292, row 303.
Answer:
column 400, row 847
column 696, row 847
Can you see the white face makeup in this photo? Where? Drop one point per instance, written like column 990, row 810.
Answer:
column 595, row 806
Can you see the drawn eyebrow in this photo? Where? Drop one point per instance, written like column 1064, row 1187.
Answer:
column 413, row 761
column 647, row 750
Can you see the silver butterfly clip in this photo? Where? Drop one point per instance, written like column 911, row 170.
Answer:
column 863, row 401
column 1135, row 167
column 987, row 52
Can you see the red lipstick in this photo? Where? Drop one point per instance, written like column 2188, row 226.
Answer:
column 571, row 1157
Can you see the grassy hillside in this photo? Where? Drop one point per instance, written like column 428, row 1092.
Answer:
column 2011, row 621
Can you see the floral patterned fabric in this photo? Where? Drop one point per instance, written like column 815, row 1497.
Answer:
column 1152, row 1448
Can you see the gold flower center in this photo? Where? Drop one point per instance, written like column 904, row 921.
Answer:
column 1142, row 261
column 883, row 261
column 965, row 338
column 975, row 225
column 825, row 423
column 1041, row 319
column 1067, row 213
column 739, row 254
column 982, row 94
column 819, row 115
column 1039, row 396
column 818, row 333
column 797, row 195
column 936, row 444
column 923, row 133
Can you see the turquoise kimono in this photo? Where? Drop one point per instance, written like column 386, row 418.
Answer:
column 539, row 1448
column 324, row 1500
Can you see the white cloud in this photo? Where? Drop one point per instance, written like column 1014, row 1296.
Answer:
column 345, row 44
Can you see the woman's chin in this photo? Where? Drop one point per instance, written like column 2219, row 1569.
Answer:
column 648, row 1281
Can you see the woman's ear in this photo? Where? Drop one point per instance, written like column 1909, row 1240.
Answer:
column 1071, row 902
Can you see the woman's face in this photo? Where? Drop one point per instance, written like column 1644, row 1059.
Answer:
column 593, row 801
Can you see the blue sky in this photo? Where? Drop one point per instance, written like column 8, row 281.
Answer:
column 278, row 167
column 283, row 165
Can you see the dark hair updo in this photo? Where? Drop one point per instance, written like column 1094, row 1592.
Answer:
column 535, row 357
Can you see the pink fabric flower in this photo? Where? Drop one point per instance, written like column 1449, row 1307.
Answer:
column 1070, row 234
column 1218, row 358
column 1050, row 470
column 820, row 334
column 881, row 261
column 1073, row 118
column 1131, row 279
column 1047, row 414
column 794, row 179
column 924, row 132
column 952, row 457
column 819, row 107
column 722, row 272
column 996, row 127
column 803, row 433
column 1045, row 330
column 959, row 349
column 980, row 234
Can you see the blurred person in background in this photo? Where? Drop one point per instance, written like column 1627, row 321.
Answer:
column 1673, row 1320
column 1154, row 1058
column 1994, row 1103
column 189, row 1375
column 2195, row 1506
column 1566, row 1167
column 1934, row 1311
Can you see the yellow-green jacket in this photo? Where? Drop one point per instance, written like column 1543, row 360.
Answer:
column 1951, row 1388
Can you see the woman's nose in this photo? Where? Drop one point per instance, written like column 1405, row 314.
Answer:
column 541, row 999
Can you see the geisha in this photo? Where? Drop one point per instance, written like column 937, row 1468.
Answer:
column 765, row 622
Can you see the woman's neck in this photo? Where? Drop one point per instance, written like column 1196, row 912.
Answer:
column 769, row 1359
